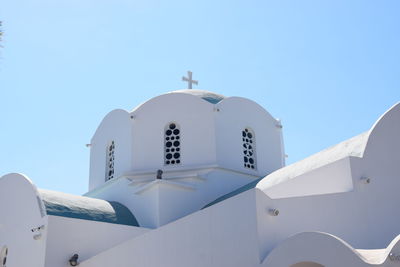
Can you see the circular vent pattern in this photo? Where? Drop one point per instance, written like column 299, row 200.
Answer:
column 249, row 157
column 172, row 144
column 110, row 161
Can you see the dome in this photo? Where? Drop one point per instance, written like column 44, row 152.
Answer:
column 86, row 208
column 208, row 96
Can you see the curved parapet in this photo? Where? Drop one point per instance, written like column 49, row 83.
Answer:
column 116, row 128
column 23, row 224
column 379, row 145
column 359, row 174
column 236, row 114
column 202, row 95
column 191, row 113
column 353, row 147
column 384, row 141
column 114, row 119
column 208, row 96
column 180, row 97
column 322, row 249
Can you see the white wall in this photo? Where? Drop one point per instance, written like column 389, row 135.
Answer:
column 365, row 216
column 208, row 132
column 117, row 127
column 313, row 248
column 196, row 120
column 335, row 177
column 67, row 236
column 235, row 115
column 158, row 202
column 21, row 211
column 221, row 235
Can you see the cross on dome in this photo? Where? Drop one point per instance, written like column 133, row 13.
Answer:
column 189, row 80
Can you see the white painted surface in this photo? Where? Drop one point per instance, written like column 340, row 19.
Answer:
column 221, row 235
column 326, row 193
column 21, row 212
column 180, row 193
column 330, row 198
column 210, row 134
column 117, row 127
column 364, row 216
column 67, row 236
column 235, row 114
column 331, row 178
column 354, row 147
column 330, row 251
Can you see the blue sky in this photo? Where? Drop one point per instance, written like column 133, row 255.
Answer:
column 328, row 69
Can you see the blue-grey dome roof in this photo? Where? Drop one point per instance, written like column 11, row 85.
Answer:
column 210, row 97
column 86, row 208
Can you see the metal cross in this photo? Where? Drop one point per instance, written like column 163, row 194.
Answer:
column 189, row 80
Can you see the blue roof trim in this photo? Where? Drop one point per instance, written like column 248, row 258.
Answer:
column 208, row 96
column 213, row 99
column 84, row 208
column 242, row 189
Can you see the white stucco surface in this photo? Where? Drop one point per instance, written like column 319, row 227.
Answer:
column 335, row 208
column 67, row 236
column 180, row 193
column 210, row 135
column 196, row 240
column 330, row 251
column 354, row 147
column 22, row 215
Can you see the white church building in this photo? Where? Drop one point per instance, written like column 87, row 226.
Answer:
column 193, row 178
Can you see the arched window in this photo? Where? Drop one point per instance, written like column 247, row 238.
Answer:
column 172, row 144
column 249, row 149
column 110, row 160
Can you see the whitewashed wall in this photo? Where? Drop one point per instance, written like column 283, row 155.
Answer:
column 331, row 178
column 22, row 211
column 67, row 236
column 364, row 216
column 233, row 233
column 196, row 121
column 235, row 114
column 210, row 134
column 158, row 202
column 117, row 127
column 221, row 235
column 316, row 249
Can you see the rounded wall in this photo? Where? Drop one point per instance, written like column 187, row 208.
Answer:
column 23, row 224
column 313, row 249
column 384, row 143
column 116, row 127
column 381, row 165
column 195, row 118
column 235, row 114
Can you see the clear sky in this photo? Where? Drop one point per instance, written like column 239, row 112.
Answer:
column 327, row 69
